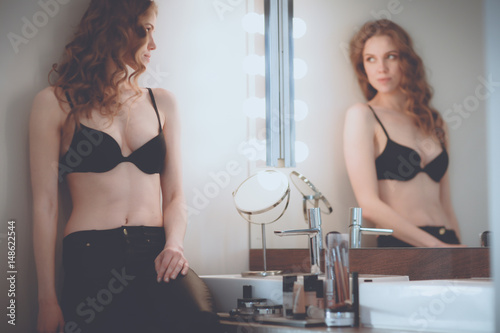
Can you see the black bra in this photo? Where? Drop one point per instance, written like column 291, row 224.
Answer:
column 92, row 150
column 402, row 163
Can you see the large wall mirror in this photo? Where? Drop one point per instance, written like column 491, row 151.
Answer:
column 211, row 56
column 448, row 35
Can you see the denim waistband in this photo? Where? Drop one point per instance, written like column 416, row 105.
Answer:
column 116, row 234
column 437, row 230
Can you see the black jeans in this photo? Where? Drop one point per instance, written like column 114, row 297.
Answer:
column 110, row 286
column 445, row 235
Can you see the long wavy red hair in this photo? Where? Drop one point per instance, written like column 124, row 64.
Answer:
column 95, row 61
column 413, row 83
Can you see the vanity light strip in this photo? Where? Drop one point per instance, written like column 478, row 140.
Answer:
column 280, row 125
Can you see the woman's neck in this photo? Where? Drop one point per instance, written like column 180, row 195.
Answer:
column 395, row 100
column 125, row 85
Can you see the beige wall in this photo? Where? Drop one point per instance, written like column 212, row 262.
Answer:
column 199, row 58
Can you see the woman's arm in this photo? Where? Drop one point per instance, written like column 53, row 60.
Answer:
column 359, row 152
column 445, row 197
column 171, row 261
column 44, row 132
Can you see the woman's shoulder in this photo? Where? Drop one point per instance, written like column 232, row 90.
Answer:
column 47, row 111
column 359, row 112
column 47, row 102
column 47, row 95
column 165, row 100
column 163, row 94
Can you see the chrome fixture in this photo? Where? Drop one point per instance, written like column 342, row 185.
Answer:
column 315, row 237
column 312, row 196
column 262, row 199
column 356, row 229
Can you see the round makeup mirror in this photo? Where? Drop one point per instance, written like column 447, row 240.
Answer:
column 262, row 199
column 310, row 194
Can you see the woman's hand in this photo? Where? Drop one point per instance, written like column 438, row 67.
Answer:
column 50, row 319
column 440, row 243
column 452, row 245
column 170, row 262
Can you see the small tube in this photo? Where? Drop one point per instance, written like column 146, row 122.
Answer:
column 299, row 304
column 288, row 281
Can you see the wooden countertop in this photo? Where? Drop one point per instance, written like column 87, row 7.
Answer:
column 416, row 263
column 255, row 327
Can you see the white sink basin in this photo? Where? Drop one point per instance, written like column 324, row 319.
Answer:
column 226, row 289
column 431, row 305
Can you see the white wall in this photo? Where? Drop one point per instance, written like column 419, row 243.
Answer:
column 199, row 57
column 200, row 54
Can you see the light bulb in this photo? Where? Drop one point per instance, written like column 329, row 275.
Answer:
column 253, row 23
column 301, row 151
column 299, row 27
column 299, row 68
column 300, row 110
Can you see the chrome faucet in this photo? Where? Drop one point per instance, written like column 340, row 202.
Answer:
column 315, row 237
column 356, row 229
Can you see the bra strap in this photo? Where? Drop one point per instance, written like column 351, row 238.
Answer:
column 69, row 100
column 387, row 135
column 154, row 105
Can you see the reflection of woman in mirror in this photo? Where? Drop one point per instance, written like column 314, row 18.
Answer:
column 116, row 146
column 396, row 144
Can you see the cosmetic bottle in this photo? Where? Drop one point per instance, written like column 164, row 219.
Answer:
column 310, row 289
column 317, row 310
column 288, row 281
column 299, row 304
column 320, row 295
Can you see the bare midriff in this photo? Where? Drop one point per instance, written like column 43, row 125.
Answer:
column 417, row 200
column 122, row 196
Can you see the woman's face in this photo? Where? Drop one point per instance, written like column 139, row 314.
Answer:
column 381, row 62
column 148, row 22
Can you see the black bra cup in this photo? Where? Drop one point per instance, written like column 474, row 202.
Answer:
column 92, row 150
column 403, row 163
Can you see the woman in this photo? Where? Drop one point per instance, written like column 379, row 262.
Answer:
column 395, row 145
column 119, row 155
